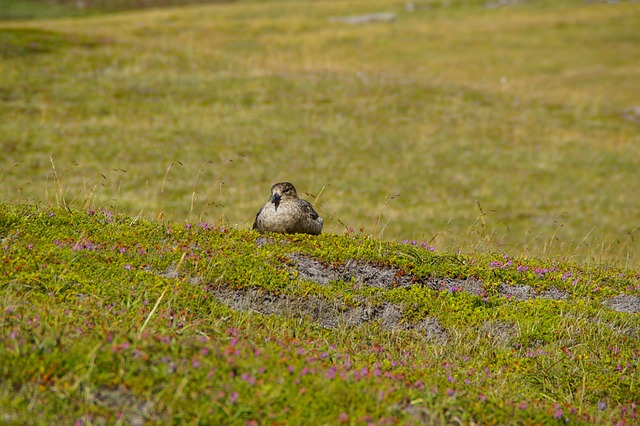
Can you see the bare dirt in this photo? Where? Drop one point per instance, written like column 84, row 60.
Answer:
column 336, row 314
column 328, row 314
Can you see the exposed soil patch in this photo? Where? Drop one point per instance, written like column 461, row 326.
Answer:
column 352, row 270
column 632, row 114
column 516, row 292
column 135, row 411
column 328, row 314
column 263, row 241
column 381, row 276
column 624, row 303
column 468, row 285
column 431, row 329
column 525, row 292
column 334, row 314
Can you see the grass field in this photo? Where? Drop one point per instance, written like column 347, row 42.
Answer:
column 110, row 319
column 476, row 165
column 195, row 112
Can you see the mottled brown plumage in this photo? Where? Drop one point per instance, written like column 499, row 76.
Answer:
column 286, row 213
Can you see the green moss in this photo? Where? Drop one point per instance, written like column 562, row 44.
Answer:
column 21, row 42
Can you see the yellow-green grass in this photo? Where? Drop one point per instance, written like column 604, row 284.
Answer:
column 471, row 129
column 467, row 127
column 49, row 9
column 112, row 319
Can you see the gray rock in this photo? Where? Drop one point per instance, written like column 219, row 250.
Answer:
column 364, row 19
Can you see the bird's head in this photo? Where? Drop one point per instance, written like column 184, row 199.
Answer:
column 282, row 190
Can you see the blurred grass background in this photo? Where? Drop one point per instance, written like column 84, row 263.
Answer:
column 470, row 125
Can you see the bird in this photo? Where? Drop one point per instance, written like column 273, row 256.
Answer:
column 287, row 214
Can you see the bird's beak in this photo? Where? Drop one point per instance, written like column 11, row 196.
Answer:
column 275, row 199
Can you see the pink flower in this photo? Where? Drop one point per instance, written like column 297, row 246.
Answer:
column 330, row 374
column 558, row 413
column 248, row 378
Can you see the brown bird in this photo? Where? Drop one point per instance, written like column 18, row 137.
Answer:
column 286, row 213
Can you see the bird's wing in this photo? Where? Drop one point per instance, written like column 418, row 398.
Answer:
column 308, row 208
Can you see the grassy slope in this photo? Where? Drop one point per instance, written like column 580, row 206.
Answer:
column 227, row 95
column 195, row 112
column 107, row 317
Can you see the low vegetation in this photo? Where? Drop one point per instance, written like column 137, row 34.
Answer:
column 455, row 123
column 473, row 161
column 108, row 318
column 48, row 9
